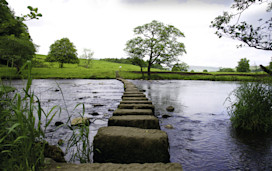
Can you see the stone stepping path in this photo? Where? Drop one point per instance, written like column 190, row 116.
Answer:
column 133, row 134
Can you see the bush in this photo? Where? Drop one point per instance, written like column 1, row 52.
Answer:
column 252, row 110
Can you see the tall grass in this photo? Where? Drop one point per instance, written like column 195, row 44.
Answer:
column 251, row 110
column 21, row 134
column 22, row 130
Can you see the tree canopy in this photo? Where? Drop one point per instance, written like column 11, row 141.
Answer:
column 180, row 67
column 16, row 45
column 157, row 42
column 62, row 51
column 243, row 65
column 255, row 35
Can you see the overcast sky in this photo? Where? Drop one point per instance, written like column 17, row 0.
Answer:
column 106, row 25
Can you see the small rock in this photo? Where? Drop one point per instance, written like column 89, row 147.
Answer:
column 60, row 142
column 95, row 114
column 170, row 108
column 97, row 105
column 54, row 153
column 166, row 116
column 56, row 90
column 80, row 121
column 169, row 126
column 58, row 123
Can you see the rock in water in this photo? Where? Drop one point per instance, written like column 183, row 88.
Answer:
column 80, row 121
column 54, row 153
column 170, row 108
column 169, row 126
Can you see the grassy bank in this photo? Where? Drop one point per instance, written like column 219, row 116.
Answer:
column 99, row 69
column 216, row 76
column 96, row 70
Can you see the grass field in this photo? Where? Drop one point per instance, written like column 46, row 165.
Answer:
column 99, row 69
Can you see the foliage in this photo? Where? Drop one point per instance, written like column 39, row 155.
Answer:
column 270, row 65
column 16, row 46
column 205, row 70
column 243, row 65
column 62, row 51
column 157, row 42
column 229, row 25
column 117, row 60
column 226, row 70
column 252, row 108
column 22, row 136
column 88, row 55
column 16, row 51
column 180, row 67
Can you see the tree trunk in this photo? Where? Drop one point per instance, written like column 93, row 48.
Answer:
column 61, row 65
column 266, row 70
column 148, row 71
column 142, row 72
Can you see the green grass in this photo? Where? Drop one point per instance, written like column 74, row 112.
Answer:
column 99, row 69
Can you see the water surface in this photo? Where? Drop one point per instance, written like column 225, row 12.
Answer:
column 202, row 138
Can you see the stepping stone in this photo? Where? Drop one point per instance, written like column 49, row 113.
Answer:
column 132, row 92
column 135, row 102
column 116, row 144
column 121, row 112
column 139, row 121
column 134, row 98
column 133, row 95
column 136, row 106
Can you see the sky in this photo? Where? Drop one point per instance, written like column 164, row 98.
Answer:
column 104, row 26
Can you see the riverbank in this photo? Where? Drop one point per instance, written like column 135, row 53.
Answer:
column 99, row 69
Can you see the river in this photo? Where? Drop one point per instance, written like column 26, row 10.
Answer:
column 201, row 138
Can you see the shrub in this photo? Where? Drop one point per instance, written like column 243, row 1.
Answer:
column 252, row 110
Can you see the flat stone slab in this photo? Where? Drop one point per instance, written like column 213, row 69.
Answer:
column 139, row 121
column 133, row 95
column 135, row 102
column 125, row 145
column 113, row 167
column 132, row 92
column 136, row 106
column 120, row 112
column 134, row 98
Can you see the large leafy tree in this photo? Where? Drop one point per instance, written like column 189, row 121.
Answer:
column 157, row 42
column 243, row 65
column 62, row 51
column 16, row 45
column 257, row 35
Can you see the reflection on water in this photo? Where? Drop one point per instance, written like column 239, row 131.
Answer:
column 202, row 138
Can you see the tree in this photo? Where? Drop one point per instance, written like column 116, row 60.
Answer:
column 16, row 45
column 16, row 51
column 229, row 25
column 180, row 67
column 157, row 42
column 243, row 65
column 62, row 51
column 254, row 35
column 88, row 55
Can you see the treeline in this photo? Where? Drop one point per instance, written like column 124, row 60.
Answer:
column 132, row 62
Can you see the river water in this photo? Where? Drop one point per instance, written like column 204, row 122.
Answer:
column 201, row 138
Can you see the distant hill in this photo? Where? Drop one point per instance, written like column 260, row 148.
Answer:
column 201, row 68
